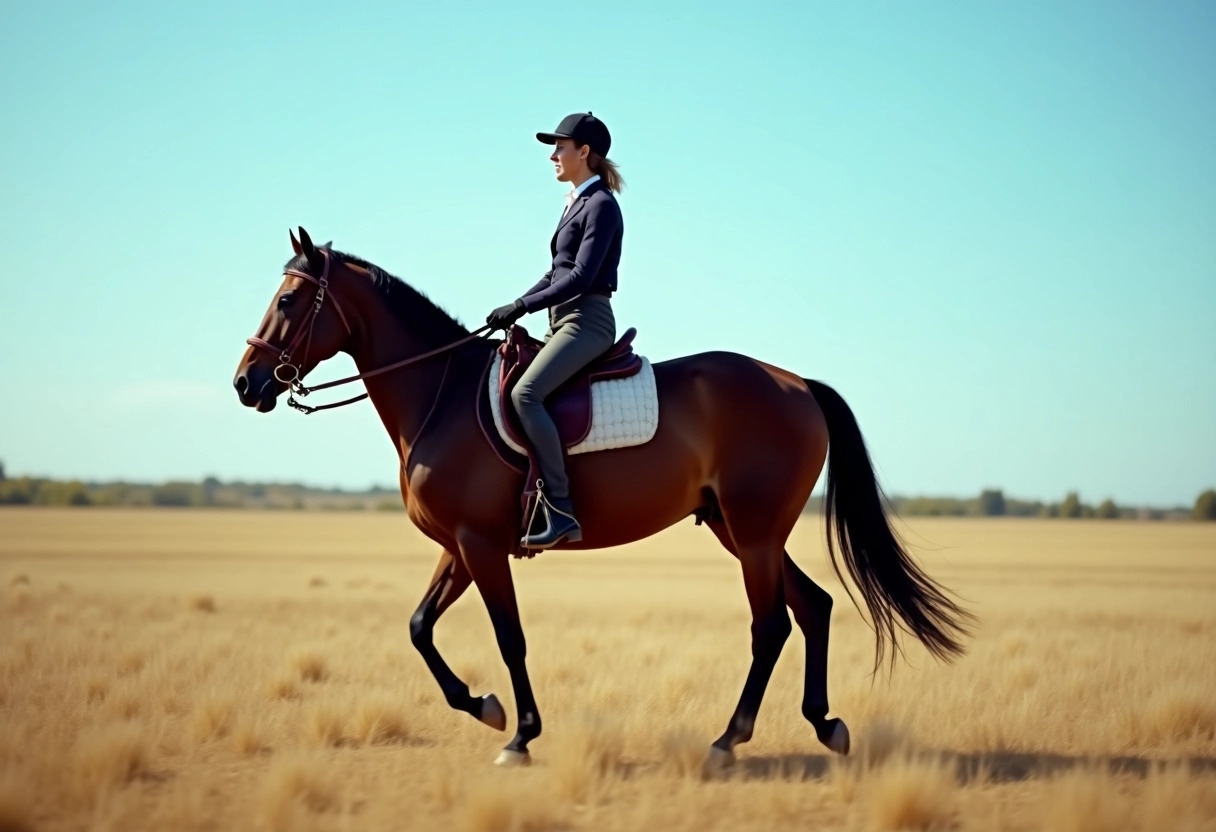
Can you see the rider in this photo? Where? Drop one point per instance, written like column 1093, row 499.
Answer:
column 586, row 250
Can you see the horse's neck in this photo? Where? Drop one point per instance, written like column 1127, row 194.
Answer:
column 404, row 398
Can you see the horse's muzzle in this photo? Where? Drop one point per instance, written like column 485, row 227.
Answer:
column 255, row 391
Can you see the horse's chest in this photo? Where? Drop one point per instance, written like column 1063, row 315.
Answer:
column 421, row 500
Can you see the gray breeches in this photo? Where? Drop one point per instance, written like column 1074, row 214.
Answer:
column 579, row 331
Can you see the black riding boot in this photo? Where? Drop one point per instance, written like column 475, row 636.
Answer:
column 560, row 524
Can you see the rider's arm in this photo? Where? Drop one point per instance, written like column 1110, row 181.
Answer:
column 540, row 284
column 599, row 229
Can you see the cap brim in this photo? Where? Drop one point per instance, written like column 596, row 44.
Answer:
column 550, row 138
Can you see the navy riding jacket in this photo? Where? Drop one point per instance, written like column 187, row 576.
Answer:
column 586, row 251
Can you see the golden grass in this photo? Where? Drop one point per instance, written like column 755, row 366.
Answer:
column 379, row 719
column 907, row 793
column 180, row 670
column 324, row 723
column 1084, row 800
column 500, row 804
column 16, row 804
column 108, row 755
column 587, row 757
column 310, row 664
column 295, row 789
column 201, row 603
column 683, row 754
column 1175, row 798
column 248, row 736
column 1175, row 712
column 213, row 717
column 284, row 685
column 18, row 598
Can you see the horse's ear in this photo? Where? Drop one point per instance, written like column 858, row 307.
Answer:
column 307, row 248
column 316, row 260
column 295, row 244
column 328, row 246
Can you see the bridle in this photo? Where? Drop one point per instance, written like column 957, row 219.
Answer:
column 289, row 373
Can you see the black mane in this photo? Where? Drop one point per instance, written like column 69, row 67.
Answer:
column 418, row 313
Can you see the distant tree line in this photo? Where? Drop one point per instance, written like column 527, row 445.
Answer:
column 212, row 493
column 209, row 493
column 992, row 502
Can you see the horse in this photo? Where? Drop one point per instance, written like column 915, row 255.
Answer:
column 740, row 444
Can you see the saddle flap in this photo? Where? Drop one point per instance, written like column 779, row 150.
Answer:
column 570, row 408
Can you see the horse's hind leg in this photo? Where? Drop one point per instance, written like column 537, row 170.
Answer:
column 812, row 608
column 449, row 582
column 762, row 578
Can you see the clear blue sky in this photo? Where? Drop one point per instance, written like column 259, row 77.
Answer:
column 991, row 226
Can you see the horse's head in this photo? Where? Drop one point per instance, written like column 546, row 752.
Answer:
column 304, row 325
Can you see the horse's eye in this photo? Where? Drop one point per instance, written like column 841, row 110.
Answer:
column 285, row 300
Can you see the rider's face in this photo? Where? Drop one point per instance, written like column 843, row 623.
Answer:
column 569, row 161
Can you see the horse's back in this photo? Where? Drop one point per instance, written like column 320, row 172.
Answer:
column 741, row 399
column 733, row 373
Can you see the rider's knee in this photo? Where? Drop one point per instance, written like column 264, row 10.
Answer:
column 522, row 395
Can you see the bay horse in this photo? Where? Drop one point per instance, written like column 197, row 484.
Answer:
column 740, row 445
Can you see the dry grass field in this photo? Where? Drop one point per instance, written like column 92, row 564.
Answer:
column 202, row 670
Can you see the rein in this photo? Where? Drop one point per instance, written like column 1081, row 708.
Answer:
column 289, row 373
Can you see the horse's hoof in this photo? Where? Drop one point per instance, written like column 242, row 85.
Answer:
column 718, row 760
column 838, row 739
column 513, row 759
column 492, row 713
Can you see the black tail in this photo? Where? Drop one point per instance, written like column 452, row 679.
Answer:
column 892, row 585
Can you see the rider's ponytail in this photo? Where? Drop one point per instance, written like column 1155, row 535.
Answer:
column 607, row 171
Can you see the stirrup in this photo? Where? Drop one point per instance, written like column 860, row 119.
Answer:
column 560, row 526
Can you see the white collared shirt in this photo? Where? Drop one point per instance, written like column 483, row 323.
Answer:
column 577, row 192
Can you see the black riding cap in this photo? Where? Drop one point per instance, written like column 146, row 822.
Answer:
column 584, row 128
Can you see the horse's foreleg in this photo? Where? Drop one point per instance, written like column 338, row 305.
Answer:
column 449, row 582
column 491, row 571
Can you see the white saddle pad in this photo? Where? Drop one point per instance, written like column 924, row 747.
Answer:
column 624, row 411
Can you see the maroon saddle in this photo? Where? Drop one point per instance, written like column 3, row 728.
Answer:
column 570, row 404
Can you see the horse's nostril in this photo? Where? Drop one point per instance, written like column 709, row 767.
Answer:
column 241, row 384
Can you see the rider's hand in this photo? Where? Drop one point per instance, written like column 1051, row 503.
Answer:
column 504, row 316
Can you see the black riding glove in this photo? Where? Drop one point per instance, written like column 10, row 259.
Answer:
column 504, row 316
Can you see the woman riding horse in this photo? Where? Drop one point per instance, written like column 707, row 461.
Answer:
column 586, row 249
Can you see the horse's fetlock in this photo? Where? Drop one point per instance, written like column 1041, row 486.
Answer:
column 744, row 727
column 529, row 725
column 815, row 713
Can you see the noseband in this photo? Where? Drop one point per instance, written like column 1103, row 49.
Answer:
column 290, row 373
